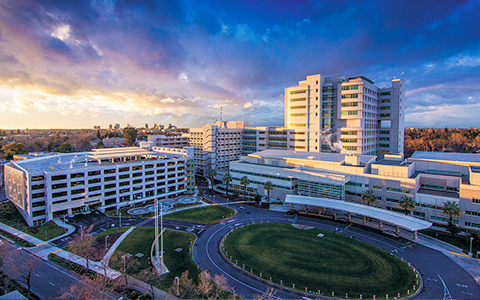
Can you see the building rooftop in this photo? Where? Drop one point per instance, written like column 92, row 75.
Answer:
column 447, row 156
column 388, row 162
column 312, row 156
column 88, row 159
column 439, row 193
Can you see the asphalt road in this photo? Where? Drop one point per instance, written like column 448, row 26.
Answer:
column 443, row 278
column 48, row 280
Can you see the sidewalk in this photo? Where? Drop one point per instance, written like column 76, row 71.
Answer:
column 43, row 249
column 112, row 249
column 70, row 229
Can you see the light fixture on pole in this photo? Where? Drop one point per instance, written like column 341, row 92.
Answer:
column 471, row 241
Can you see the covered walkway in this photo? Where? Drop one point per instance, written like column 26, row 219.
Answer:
column 397, row 219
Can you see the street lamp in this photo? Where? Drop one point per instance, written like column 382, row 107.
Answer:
column 106, row 242
column 176, row 278
column 120, row 219
column 471, row 240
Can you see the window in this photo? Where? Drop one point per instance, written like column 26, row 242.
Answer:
column 59, row 177
column 297, row 115
column 37, row 178
column 349, row 87
column 384, row 100
column 94, row 188
column 92, row 181
column 377, row 187
column 349, row 113
column 59, row 194
column 124, row 176
column 297, row 125
column 385, row 93
column 124, row 169
column 93, row 173
column 384, row 139
column 109, row 178
column 298, row 99
column 351, row 148
column 297, row 92
column 77, row 175
column 59, row 186
column 384, row 107
column 384, row 115
column 298, row 107
column 397, row 190
column 110, row 171
column 349, row 132
column 38, row 204
column 349, row 96
column 476, row 200
column 76, row 192
column 38, row 187
column 384, row 131
column 38, row 195
column 349, row 104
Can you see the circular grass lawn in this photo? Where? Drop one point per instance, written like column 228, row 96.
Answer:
column 332, row 263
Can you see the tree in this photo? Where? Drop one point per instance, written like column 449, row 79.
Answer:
column 408, row 204
column 451, row 209
column 151, row 278
column 83, row 245
column 130, row 135
column 26, row 267
column 205, row 284
column 227, row 178
column 65, row 148
column 13, row 148
column 126, row 265
column 258, row 199
column 369, row 197
column 268, row 186
column 212, row 174
column 185, row 287
column 244, row 181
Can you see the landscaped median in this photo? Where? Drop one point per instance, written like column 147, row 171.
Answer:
column 319, row 262
column 205, row 215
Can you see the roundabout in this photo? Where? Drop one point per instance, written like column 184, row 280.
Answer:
column 318, row 261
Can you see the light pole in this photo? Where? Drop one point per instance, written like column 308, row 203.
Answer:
column 178, row 293
column 471, row 240
column 106, row 242
column 120, row 220
column 81, row 232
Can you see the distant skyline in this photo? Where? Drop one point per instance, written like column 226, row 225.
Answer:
column 76, row 64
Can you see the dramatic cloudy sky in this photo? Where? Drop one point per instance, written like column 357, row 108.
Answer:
column 81, row 63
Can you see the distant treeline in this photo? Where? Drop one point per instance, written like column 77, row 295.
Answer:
column 443, row 140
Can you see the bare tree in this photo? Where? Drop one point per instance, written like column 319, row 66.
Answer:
column 151, row 278
column 221, row 285
column 25, row 267
column 205, row 284
column 185, row 287
column 270, row 294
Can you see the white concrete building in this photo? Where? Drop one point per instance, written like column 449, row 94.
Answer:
column 66, row 184
column 169, row 141
column 430, row 178
column 216, row 145
column 362, row 117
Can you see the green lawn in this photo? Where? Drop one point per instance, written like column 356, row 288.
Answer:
column 10, row 216
column 205, row 215
column 177, row 262
column 333, row 263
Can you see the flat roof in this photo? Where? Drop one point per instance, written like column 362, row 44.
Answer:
column 313, row 156
column 391, row 162
column 447, row 156
column 401, row 220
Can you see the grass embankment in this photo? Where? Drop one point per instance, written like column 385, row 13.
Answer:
column 98, row 243
column 460, row 241
column 10, row 216
column 204, row 215
column 177, row 262
column 333, row 263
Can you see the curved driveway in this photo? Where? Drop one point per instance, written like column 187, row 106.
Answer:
column 443, row 278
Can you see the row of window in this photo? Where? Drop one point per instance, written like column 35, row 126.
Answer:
column 350, row 96
column 349, row 87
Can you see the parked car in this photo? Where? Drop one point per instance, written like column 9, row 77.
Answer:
column 391, row 233
column 292, row 212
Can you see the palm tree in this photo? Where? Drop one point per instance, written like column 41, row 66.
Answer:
column 244, row 181
column 211, row 174
column 369, row 197
column 451, row 209
column 227, row 178
column 268, row 186
column 408, row 204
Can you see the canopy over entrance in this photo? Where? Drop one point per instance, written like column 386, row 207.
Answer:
column 394, row 218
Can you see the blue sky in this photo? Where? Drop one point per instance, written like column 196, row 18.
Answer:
column 76, row 64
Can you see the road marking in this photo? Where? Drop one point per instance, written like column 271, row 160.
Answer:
column 459, row 254
column 41, row 244
column 56, row 251
column 446, row 292
column 51, row 283
column 225, row 273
